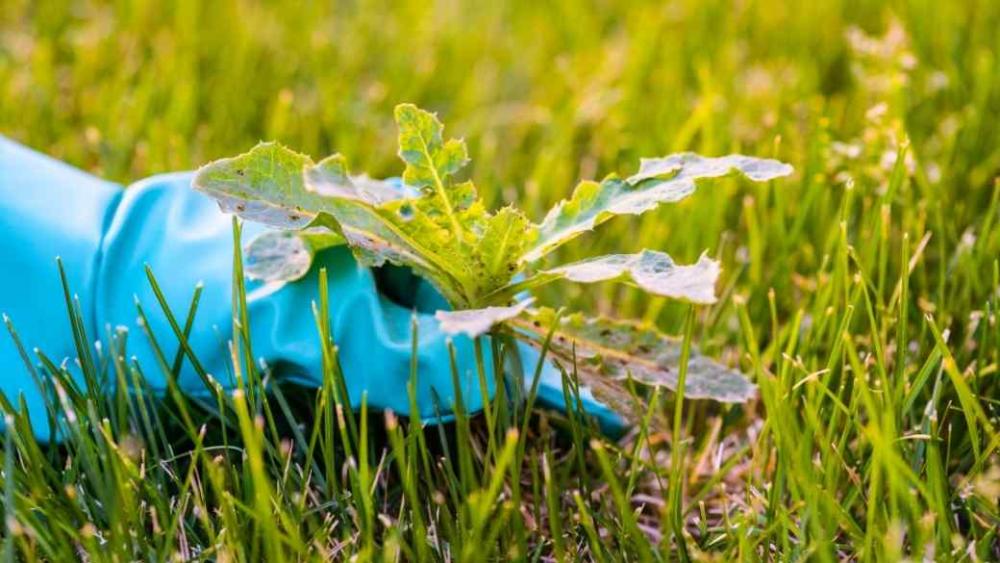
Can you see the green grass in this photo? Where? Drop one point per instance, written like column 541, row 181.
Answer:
column 861, row 295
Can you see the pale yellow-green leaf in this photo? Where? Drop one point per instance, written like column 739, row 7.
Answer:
column 277, row 256
column 330, row 178
column 652, row 271
column 610, row 353
column 475, row 322
column 658, row 181
column 263, row 185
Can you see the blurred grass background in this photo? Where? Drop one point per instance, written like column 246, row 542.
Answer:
column 861, row 265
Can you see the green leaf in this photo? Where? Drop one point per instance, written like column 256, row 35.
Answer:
column 475, row 322
column 278, row 256
column 330, row 178
column 610, row 353
column 379, row 234
column 386, row 221
column 267, row 185
column 651, row 271
column 274, row 185
column 430, row 161
column 506, row 234
column 263, row 185
column 449, row 236
column 659, row 180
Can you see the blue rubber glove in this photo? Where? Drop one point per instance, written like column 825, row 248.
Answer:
column 105, row 235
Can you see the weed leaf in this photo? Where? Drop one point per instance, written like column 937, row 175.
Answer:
column 610, row 353
column 263, row 185
column 431, row 161
column 274, row 185
column 659, row 180
column 654, row 272
column 377, row 235
column 429, row 222
column 276, row 256
column 330, row 178
column 475, row 322
column 506, row 234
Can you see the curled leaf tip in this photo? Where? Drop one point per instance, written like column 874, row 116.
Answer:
column 475, row 322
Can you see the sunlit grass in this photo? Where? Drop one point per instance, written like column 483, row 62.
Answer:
column 861, row 295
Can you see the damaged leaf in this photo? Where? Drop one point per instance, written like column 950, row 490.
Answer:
column 610, row 353
column 376, row 236
column 277, row 256
column 654, row 272
column 330, row 178
column 659, row 180
column 475, row 322
column 264, row 185
column 429, row 222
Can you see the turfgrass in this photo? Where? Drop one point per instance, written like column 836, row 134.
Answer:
column 861, row 295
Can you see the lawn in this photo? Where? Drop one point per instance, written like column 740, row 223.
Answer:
column 860, row 294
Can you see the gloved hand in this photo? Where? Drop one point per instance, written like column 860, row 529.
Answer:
column 105, row 235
